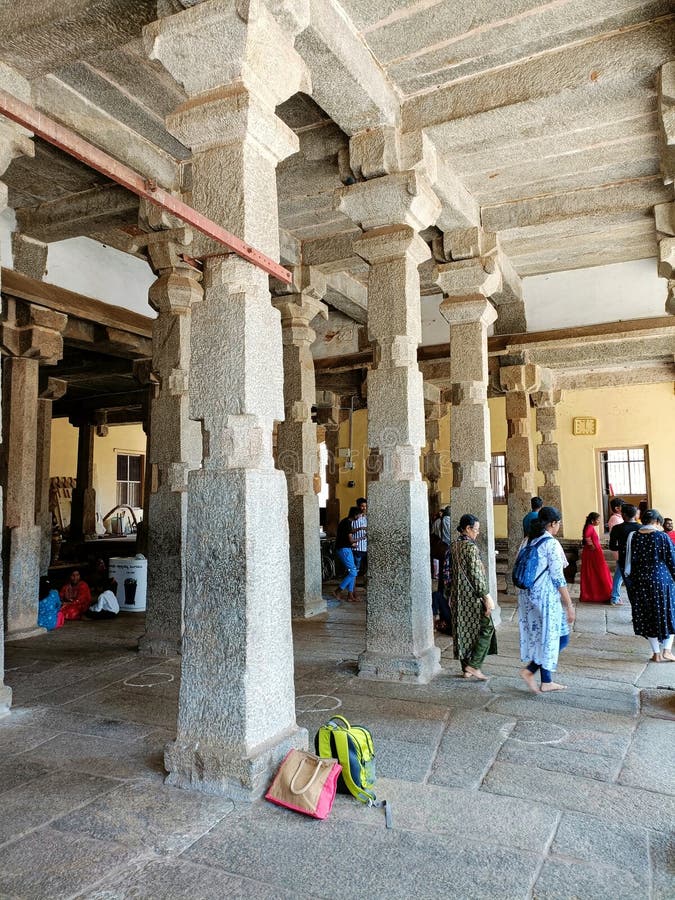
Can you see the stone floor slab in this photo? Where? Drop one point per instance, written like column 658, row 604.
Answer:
column 548, row 756
column 42, row 799
column 658, row 704
column 402, row 861
column 101, row 756
column 662, row 854
column 565, row 880
column 658, row 675
column 175, row 879
column 593, row 840
column 148, row 817
column 468, row 815
column 469, row 745
column 614, row 803
column 51, row 864
column 650, row 762
column 15, row 772
column 149, row 706
column 67, row 719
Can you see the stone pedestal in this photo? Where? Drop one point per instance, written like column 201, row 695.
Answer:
column 174, row 443
column 297, row 447
column 518, row 382
column 399, row 630
column 55, row 389
column 547, row 452
column 470, row 448
column 236, row 717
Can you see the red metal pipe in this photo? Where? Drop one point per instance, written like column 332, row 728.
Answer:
column 72, row 143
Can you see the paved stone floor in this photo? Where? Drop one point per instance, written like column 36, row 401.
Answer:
column 497, row 793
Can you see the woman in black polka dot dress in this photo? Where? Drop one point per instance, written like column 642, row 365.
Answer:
column 650, row 567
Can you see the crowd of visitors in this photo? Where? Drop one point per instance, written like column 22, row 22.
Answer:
column 644, row 552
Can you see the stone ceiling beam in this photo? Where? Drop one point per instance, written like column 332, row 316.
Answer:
column 347, row 295
column 563, row 73
column 637, row 194
column 347, row 82
column 60, row 102
column 79, row 214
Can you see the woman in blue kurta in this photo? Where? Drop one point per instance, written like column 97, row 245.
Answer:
column 544, row 625
column 650, row 580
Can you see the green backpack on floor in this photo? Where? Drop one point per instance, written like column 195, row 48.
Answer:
column 352, row 746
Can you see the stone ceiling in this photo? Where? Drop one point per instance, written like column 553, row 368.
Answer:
column 543, row 115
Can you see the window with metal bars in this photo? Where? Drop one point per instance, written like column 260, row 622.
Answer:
column 498, row 477
column 129, row 479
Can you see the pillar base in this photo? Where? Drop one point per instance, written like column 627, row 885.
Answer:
column 157, row 645
column 217, row 769
column 309, row 607
column 20, row 634
column 411, row 669
column 5, row 700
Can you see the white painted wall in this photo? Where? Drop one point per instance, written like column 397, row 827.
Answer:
column 630, row 290
column 105, row 273
column 93, row 269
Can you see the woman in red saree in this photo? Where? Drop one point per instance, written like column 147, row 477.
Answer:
column 596, row 581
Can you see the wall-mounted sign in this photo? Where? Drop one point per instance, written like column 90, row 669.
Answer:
column 583, row 425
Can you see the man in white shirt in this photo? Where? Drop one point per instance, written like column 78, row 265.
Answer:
column 106, row 607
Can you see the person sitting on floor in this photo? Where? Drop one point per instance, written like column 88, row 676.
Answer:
column 106, row 607
column 75, row 596
column 49, row 611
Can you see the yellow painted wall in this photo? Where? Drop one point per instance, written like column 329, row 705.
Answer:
column 63, row 459
column 631, row 416
column 627, row 417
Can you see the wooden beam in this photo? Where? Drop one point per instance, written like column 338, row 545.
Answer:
column 76, row 305
column 500, row 343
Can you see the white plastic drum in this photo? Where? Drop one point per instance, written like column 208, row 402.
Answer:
column 131, row 574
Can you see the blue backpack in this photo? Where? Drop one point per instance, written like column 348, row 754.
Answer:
column 524, row 574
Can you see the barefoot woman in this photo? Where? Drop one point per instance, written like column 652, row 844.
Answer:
column 544, row 624
column 470, row 604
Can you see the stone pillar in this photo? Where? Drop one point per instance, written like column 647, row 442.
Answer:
column 83, row 509
column 470, row 446
column 14, row 141
column 333, row 467
column 519, row 382
column 297, row 453
column 664, row 213
column 547, row 452
column 54, row 390
column 399, row 629
column 236, row 717
column 31, row 335
column 431, row 458
column 174, row 440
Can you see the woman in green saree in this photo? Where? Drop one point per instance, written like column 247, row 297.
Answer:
column 470, row 603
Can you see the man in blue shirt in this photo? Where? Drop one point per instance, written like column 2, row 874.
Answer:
column 536, row 503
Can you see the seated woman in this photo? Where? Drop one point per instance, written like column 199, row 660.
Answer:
column 106, row 607
column 75, row 597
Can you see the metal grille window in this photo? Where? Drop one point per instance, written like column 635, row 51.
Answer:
column 129, row 479
column 498, row 477
column 626, row 471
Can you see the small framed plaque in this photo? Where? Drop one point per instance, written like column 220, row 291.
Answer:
column 584, row 425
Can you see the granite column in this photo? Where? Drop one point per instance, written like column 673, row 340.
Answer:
column 470, row 443
column 83, row 510
column 399, row 630
column 236, row 717
column 519, row 381
column 174, row 441
column 548, row 462
column 297, row 451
